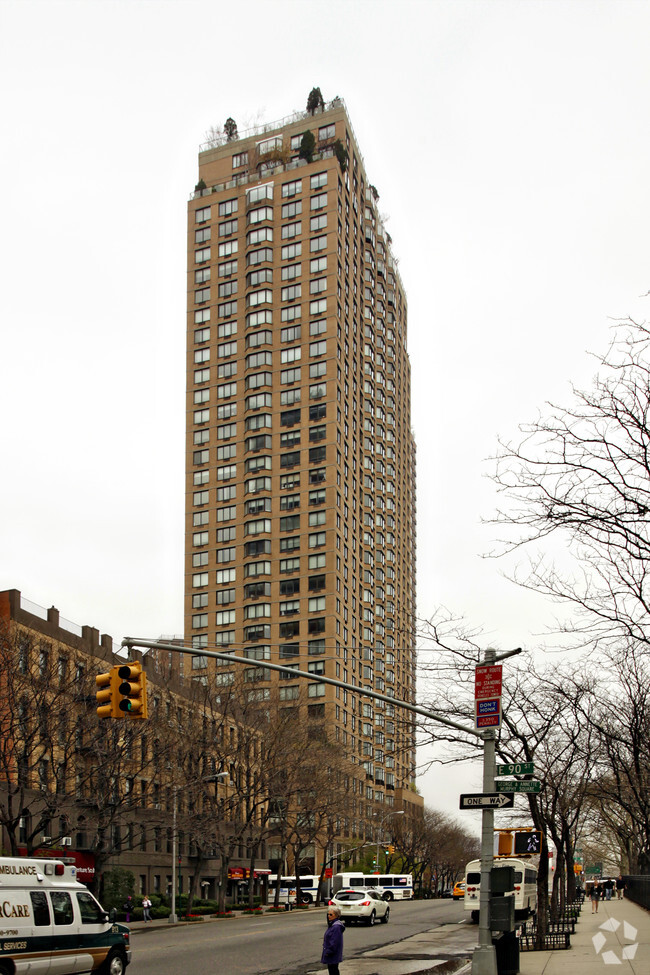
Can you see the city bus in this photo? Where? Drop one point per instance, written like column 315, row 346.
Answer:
column 308, row 889
column 525, row 892
column 391, row 886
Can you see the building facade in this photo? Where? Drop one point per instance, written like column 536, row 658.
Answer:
column 300, row 490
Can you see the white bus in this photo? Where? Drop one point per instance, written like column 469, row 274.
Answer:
column 525, row 893
column 288, row 893
column 391, row 886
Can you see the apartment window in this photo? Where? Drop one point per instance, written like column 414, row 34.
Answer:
column 317, row 223
column 260, row 256
column 201, row 215
column 255, row 339
column 315, row 690
column 253, row 569
column 202, row 255
column 317, row 454
column 289, row 607
column 226, row 431
column 317, row 244
column 226, row 390
column 227, row 309
column 316, row 539
column 317, row 582
column 318, row 307
column 289, row 482
column 262, row 297
column 289, row 396
column 289, row 693
column 290, row 251
column 225, row 576
column 239, row 159
column 317, row 497
column 317, row 412
column 201, row 375
column 201, row 456
column 288, row 502
column 258, row 527
column 289, row 293
column 268, row 145
column 226, row 554
column 262, row 631
column 257, row 318
column 228, row 248
column 317, row 286
column 290, row 210
column 226, row 534
column 258, row 464
column 290, row 375
column 227, row 268
column 201, row 335
column 259, row 215
column 290, row 523
column 258, row 422
column 201, row 315
column 203, row 235
column 291, row 439
column 201, row 497
column 316, row 625
column 318, row 348
column 290, row 355
column 316, row 518
column 295, row 186
column 290, row 460
column 290, row 313
column 290, row 543
column 290, row 230
column 257, row 611
column 225, row 617
column 258, row 379
column 257, row 484
column 263, row 275
column 257, row 506
column 225, row 290
column 227, row 513
column 316, row 604
column 317, row 181
column 290, row 565
column 289, row 629
column 261, row 546
column 199, row 579
column 226, row 330
column 228, row 227
column 259, row 193
column 315, row 647
column 259, row 235
column 291, row 271
column 317, row 265
column 228, row 207
column 258, row 359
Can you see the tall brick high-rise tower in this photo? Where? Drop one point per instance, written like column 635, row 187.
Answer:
column 300, row 491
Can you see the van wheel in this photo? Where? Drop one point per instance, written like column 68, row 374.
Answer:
column 4, row 970
column 307, row 898
column 115, row 964
column 388, row 896
column 475, row 917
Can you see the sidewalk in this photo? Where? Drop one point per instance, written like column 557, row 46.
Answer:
column 605, row 938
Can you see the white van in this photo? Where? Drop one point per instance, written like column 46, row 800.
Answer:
column 50, row 924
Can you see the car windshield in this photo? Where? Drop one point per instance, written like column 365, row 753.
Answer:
column 351, row 895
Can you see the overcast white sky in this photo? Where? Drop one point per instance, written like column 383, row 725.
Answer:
column 510, row 145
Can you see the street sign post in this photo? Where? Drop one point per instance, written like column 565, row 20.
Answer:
column 527, row 785
column 516, row 768
column 486, row 800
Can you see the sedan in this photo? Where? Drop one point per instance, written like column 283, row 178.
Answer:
column 362, row 904
column 459, row 890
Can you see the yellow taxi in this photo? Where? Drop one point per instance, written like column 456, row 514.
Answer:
column 459, row 890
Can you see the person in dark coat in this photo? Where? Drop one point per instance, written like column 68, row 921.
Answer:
column 333, row 941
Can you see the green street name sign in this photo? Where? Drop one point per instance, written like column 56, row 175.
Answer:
column 517, row 768
column 532, row 785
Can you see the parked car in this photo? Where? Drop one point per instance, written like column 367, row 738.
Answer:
column 447, row 892
column 459, row 890
column 361, row 904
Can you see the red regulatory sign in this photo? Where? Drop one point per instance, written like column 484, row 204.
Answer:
column 488, row 681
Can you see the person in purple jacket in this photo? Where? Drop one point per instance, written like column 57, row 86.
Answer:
column 333, row 941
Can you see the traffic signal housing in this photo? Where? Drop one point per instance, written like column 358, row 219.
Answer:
column 107, row 694
column 391, row 848
column 527, row 841
column 132, row 691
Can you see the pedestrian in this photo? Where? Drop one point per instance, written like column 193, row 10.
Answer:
column 609, row 887
column 333, row 941
column 620, row 887
column 595, row 894
column 128, row 907
column 146, row 909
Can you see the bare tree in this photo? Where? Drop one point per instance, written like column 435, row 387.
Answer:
column 582, row 476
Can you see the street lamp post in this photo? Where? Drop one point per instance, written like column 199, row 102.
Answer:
column 398, row 812
column 210, row 778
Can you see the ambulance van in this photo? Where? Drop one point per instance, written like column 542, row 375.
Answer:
column 50, row 924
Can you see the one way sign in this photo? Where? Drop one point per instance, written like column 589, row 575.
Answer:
column 482, row 800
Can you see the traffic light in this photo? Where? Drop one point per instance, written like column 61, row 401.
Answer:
column 132, row 691
column 107, row 695
column 527, row 841
column 391, row 848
